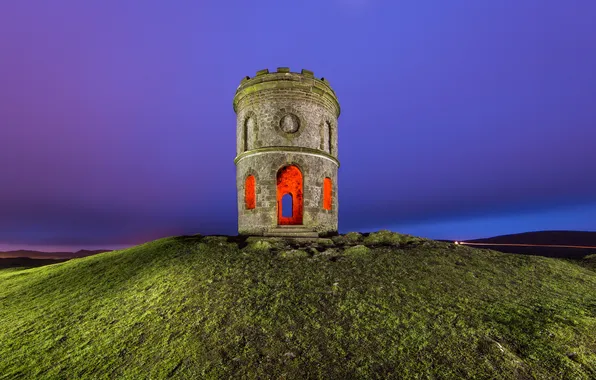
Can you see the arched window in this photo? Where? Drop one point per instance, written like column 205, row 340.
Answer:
column 289, row 196
column 250, row 196
column 327, row 191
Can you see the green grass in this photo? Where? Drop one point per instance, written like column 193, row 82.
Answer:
column 194, row 307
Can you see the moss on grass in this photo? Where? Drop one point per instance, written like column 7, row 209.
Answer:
column 197, row 307
column 293, row 253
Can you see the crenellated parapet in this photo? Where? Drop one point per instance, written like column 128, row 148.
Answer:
column 283, row 79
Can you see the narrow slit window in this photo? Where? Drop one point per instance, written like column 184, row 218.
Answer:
column 330, row 139
column 249, row 131
column 325, row 137
column 250, row 196
column 327, row 190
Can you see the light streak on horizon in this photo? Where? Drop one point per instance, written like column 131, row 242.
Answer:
column 528, row 245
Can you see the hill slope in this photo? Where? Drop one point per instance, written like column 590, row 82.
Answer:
column 194, row 307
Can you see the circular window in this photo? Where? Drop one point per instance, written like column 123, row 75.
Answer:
column 289, row 123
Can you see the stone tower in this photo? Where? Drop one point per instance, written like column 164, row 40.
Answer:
column 286, row 154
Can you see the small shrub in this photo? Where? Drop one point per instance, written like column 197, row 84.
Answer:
column 331, row 253
column 349, row 238
column 273, row 242
column 357, row 251
column 313, row 251
column 259, row 246
column 325, row 242
column 412, row 240
column 353, row 237
column 384, row 237
column 339, row 239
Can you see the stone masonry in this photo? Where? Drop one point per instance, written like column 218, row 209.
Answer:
column 286, row 119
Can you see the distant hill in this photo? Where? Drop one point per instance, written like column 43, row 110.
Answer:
column 27, row 262
column 583, row 238
column 378, row 306
column 49, row 255
column 565, row 238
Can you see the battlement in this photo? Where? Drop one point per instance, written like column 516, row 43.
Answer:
column 283, row 70
column 283, row 78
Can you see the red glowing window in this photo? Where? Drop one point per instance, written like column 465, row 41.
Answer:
column 327, row 193
column 250, row 197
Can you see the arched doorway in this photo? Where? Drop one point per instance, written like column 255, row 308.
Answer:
column 289, row 181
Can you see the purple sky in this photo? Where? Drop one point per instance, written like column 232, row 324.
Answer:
column 460, row 119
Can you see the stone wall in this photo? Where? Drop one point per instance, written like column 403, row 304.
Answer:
column 264, row 167
column 259, row 122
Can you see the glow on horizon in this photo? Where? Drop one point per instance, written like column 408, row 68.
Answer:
column 578, row 218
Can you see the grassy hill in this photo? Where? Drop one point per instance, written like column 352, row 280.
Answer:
column 376, row 306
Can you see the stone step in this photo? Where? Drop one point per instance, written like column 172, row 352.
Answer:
column 293, row 235
column 293, row 227
column 306, row 233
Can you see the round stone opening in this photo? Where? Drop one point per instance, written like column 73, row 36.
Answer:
column 289, row 123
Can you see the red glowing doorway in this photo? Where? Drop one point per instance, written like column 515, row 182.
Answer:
column 289, row 181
